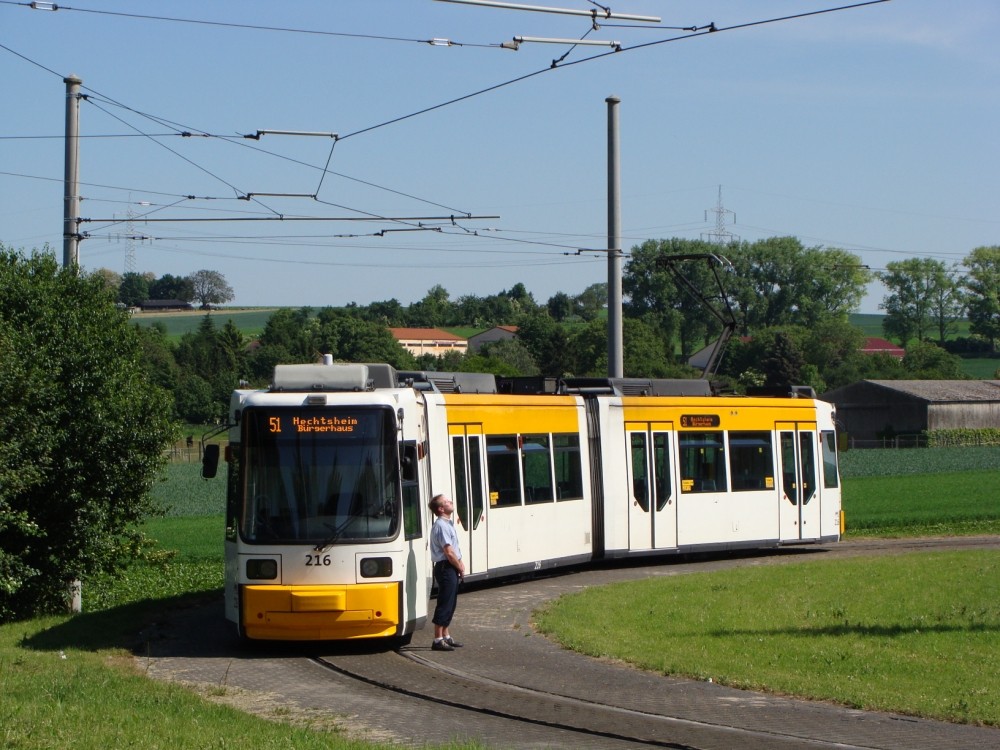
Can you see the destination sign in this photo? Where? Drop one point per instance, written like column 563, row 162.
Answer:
column 312, row 424
column 700, row 420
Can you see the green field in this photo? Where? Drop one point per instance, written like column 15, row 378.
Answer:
column 981, row 368
column 251, row 322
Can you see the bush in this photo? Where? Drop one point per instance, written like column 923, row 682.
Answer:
column 82, row 432
column 963, row 436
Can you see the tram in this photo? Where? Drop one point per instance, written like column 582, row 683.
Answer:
column 331, row 468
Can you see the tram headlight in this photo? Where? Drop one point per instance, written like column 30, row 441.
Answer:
column 262, row 570
column 376, row 567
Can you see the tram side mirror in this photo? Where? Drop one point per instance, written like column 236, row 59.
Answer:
column 408, row 462
column 210, row 461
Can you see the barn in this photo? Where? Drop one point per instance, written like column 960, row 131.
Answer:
column 873, row 410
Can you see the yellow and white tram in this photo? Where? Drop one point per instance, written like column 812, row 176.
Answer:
column 331, row 468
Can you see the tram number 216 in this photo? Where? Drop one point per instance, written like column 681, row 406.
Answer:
column 318, row 561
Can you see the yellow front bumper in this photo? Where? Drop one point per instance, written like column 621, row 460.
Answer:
column 308, row 613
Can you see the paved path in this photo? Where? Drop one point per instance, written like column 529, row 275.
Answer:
column 501, row 647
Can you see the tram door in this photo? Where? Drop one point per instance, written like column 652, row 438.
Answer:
column 800, row 502
column 652, row 514
column 468, row 490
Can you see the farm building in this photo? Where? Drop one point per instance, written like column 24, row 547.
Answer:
column 165, row 305
column 875, row 409
column 418, row 341
column 497, row 333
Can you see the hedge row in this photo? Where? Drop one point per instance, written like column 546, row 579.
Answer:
column 963, row 436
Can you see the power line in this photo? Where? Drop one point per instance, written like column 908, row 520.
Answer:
column 434, row 42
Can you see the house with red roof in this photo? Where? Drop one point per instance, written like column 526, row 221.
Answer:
column 876, row 345
column 419, row 341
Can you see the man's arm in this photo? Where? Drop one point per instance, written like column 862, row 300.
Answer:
column 454, row 559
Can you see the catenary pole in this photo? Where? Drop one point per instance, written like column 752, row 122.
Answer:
column 615, row 349
column 71, row 199
column 71, row 245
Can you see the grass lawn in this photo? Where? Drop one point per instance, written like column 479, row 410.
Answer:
column 864, row 632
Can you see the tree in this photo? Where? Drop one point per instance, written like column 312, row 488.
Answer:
column 504, row 357
column 389, row 313
column 218, row 359
column 559, row 306
column 643, row 354
column 351, row 339
column 784, row 364
column 82, row 433
column 591, row 302
column 927, row 361
column 112, row 279
column 923, row 295
column 433, row 310
column 982, row 287
column 210, row 288
column 779, row 282
column 548, row 344
column 655, row 296
column 777, row 357
column 134, row 289
column 173, row 287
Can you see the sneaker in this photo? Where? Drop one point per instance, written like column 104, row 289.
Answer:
column 442, row 646
column 453, row 643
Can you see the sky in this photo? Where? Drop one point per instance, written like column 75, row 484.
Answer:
column 462, row 163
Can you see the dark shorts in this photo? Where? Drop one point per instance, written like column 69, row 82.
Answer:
column 447, row 593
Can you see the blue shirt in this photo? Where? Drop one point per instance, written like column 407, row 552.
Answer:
column 443, row 534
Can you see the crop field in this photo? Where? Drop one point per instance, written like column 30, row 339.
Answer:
column 893, row 463
column 250, row 322
column 981, row 368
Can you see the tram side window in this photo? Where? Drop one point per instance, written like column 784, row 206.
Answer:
column 233, row 496
column 640, row 486
column 537, row 462
column 661, row 464
column 461, row 479
column 476, row 477
column 703, row 462
column 751, row 461
column 410, row 476
column 831, row 476
column 502, row 466
column 569, row 470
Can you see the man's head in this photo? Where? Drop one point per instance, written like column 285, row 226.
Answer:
column 441, row 505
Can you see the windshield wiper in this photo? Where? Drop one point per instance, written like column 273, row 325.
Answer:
column 334, row 536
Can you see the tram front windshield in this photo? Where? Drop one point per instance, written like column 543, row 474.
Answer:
column 319, row 476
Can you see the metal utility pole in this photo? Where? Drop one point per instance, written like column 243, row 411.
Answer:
column 71, row 198
column 615, row 349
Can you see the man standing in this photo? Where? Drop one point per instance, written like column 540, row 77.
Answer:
column 448, row 571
